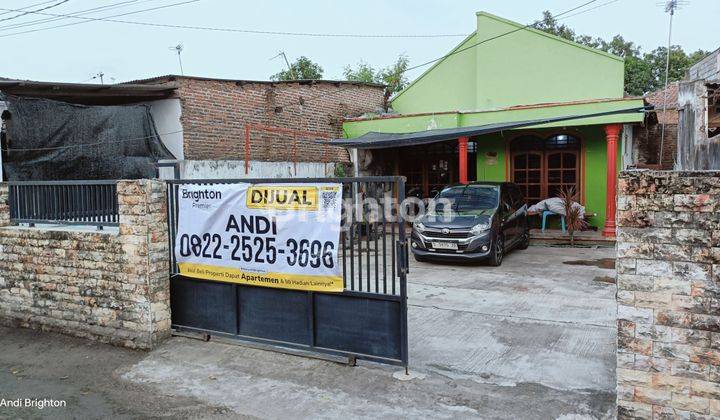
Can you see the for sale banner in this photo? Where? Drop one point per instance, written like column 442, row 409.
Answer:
column 273, row 235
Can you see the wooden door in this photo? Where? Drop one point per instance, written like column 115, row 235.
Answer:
column 561, row 172
column 528, row 175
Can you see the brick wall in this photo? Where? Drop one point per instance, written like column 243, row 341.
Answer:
column 110, row 286
column 648, row 143
column 668, row 293
column 214, row 113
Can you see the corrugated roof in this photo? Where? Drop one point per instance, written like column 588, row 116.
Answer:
column 88, row 93
column 375, row 140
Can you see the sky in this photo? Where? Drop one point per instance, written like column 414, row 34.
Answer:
column 124, row 52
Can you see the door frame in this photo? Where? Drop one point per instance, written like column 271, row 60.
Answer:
column 544, row 135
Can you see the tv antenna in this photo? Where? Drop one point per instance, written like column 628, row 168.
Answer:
column 179, row 48
column 287, row 63
column 670, row 7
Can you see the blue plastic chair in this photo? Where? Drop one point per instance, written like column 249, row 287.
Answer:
column 547, row 213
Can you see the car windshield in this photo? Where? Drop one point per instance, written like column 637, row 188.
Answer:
column 469, row 199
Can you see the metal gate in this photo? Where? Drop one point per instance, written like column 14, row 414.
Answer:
column 368, row 320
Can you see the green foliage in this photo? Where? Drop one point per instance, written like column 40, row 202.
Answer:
column 643, row 72
column 550, row 25
column 361, row 73
column 573, row 221
column 302, row 69
column 340, row 170
column 393, row 76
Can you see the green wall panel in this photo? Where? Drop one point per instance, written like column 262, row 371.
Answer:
column 523, row 68
column 490, row 168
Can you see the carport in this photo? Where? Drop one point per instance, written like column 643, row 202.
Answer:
column 541, row 155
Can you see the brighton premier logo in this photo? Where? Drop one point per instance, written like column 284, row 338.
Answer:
column 206, row 194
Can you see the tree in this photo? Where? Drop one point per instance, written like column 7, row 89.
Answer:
column 393, row 76
column 549, row 24
column 618, row 46
column 362, row 73
column 638, row 76
column 302, row 69
column 643, row 72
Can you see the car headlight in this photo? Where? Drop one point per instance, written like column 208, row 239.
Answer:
column 480, row 228
column 419, row 226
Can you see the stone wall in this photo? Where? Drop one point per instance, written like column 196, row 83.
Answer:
column 668, row 293
column 109, row 285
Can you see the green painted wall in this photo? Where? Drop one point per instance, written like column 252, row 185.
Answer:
column 409, row 124
column 595, row 147
column 450, row 86
column 530, row 67
column 525, row 67
column 491, row 168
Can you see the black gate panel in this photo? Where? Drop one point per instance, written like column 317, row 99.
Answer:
column 274, row 314
column 203, row 305
column 368, row 320
column 359, row 325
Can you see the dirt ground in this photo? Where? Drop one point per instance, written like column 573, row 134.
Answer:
column 534, row 338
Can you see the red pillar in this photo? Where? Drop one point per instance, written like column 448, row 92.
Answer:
column 463, row 154
column 612, row 133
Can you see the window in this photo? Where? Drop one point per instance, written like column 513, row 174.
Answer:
column 543, row 167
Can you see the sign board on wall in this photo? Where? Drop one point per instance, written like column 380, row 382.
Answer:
column 271, row 235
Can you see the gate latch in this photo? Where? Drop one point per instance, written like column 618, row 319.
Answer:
column 403, row 257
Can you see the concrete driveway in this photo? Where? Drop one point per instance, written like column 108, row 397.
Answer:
column 536, row 319
column 534, row 338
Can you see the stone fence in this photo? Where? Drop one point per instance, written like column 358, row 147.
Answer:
column 109, row 285
column 668, row 293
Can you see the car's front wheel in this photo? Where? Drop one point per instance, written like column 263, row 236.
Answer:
column 497, row 252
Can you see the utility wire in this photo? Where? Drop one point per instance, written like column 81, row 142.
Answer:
column 69, row 16
column 27, row 12
column 477, row 44
column 91, row 19
column 589, row 10
column 232, row 30
column 27, row 7
column 587, row 3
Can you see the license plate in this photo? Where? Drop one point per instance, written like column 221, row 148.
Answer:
column 444, row 245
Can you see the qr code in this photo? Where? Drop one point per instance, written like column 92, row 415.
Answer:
column 329, row 198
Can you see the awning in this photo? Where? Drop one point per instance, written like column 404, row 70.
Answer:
column 374, row 140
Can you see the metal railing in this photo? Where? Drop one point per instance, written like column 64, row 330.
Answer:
column 90, row 203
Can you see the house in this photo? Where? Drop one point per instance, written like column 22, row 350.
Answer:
column 206, row 127
column 508, row 103
column 699, row 116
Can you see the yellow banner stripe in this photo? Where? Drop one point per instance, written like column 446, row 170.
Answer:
column 276, row 280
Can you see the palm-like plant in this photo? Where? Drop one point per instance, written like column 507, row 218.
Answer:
column 573, row 218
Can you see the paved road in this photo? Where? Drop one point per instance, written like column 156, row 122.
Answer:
column 534, row 338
